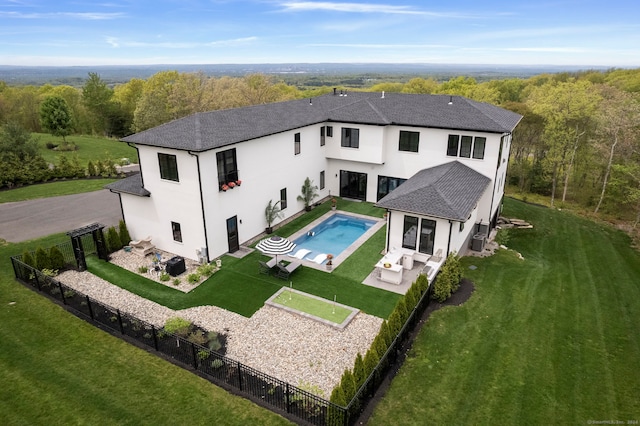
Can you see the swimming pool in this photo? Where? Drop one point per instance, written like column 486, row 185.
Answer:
column 333, row 235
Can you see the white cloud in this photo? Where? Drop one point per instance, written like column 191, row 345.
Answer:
column 86, row 16
column 307, row 6
column 115, row 42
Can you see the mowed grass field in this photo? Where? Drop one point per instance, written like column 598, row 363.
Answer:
column 90, row 148
column 551, row 339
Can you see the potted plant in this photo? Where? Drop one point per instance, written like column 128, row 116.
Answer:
column 224, row 187
column 271, row 213
column 238, row 182
column 329, row 262
column 232, row 184
column 309, row 192
column 334, row 202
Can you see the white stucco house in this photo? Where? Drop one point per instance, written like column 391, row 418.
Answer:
column 437, row 163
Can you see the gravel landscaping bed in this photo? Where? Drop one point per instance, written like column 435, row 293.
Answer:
column 300, row 351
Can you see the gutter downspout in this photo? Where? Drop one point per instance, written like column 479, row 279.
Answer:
column 450, row 232
column 204, row 218
column 134, row 146
column 388, row 229
column 119, row 199
column 495, row 181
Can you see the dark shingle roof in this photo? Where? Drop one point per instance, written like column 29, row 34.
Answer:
column 448, row 191
column 130, row 185
column 209, row 130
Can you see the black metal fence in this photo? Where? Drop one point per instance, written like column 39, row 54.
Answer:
column 266, row 390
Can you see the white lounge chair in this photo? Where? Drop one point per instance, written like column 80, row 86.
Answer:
column 300, row 254
column 320, row 258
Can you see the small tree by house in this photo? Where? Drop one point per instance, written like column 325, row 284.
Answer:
column 28, row 259
column 359, row 373
column 42, row 259
column 309, row 191
column 271, row 213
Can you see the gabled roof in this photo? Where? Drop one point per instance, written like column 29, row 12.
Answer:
column 130, row 185
column 215, row 129
column 448, row 191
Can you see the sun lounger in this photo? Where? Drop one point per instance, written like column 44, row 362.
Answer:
column 300, row 254
column 267, row 267
column 320, row 258
column 285, row 271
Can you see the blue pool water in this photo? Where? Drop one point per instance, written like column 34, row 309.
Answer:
column 333, row 235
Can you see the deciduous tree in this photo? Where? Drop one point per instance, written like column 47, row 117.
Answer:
column 55, row 116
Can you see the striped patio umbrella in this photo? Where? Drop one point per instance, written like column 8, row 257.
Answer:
column 275, row 245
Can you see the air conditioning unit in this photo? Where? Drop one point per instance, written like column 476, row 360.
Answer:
column 477, row 242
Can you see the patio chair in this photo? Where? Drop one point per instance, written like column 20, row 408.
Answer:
column 284, row 272
column 267, row 267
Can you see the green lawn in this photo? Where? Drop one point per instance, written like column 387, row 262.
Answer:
column 53, row 189
column 551, row 339
column 89, row 148
column 58, row 369
column 324, row 309
column 241, row 288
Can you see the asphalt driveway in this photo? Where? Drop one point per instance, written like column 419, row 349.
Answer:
column 26, row 220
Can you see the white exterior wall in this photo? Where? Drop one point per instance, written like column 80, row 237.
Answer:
column 266, row 165
column 169, row 202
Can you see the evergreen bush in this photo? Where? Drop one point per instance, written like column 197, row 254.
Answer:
column 113, row 240
column 42, row 259
column 359, row 375
column 91, row 169
column 28, row 259
column 56, row 258
column 371, row 360
column 123, row 233
column 348, row 385
column 334, row 415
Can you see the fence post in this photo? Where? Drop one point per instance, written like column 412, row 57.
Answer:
column 35, row 273
column 120, row 321
column 155, row 337
column 90, row 308
column 239, row 376
column 286, row 395
column 195, row 356
column 64, row 301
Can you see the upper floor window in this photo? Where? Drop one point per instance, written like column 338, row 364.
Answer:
column 329, row 131
column 409, row 141
column 168, row 167
column 296, row 144
column 322, row 131
column 466, row 146
column 350, row 137
column 227, row 166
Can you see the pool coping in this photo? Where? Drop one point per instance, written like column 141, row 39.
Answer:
column 341, row 326
column 337, row 260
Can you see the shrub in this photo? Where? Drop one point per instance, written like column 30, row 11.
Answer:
column 113, row 240
column 385, row 333
column 56, row 258
column 164, row 277
column 143, row 269
column 371, row 360
column 28, row 259
column 335, row 416
column 423, row 283
column 42, row 259
column 214, row 341
column 358, row 371
column 193, row 278
column 176, row 281
column 206, row 269
column 178, row 326
column 448, row 279
column 51, row 145
column 403, row 314
column 123, row 233
column 502, row 237
column 197, row 337
column 348, row 385
column 91, row 169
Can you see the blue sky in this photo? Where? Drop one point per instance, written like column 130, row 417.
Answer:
column 123, row 32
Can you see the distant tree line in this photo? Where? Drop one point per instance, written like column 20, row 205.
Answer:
column 578, row 141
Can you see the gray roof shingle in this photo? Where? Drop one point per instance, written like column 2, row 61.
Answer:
column 448, row 191
column 215, row 129
column 130, row 185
